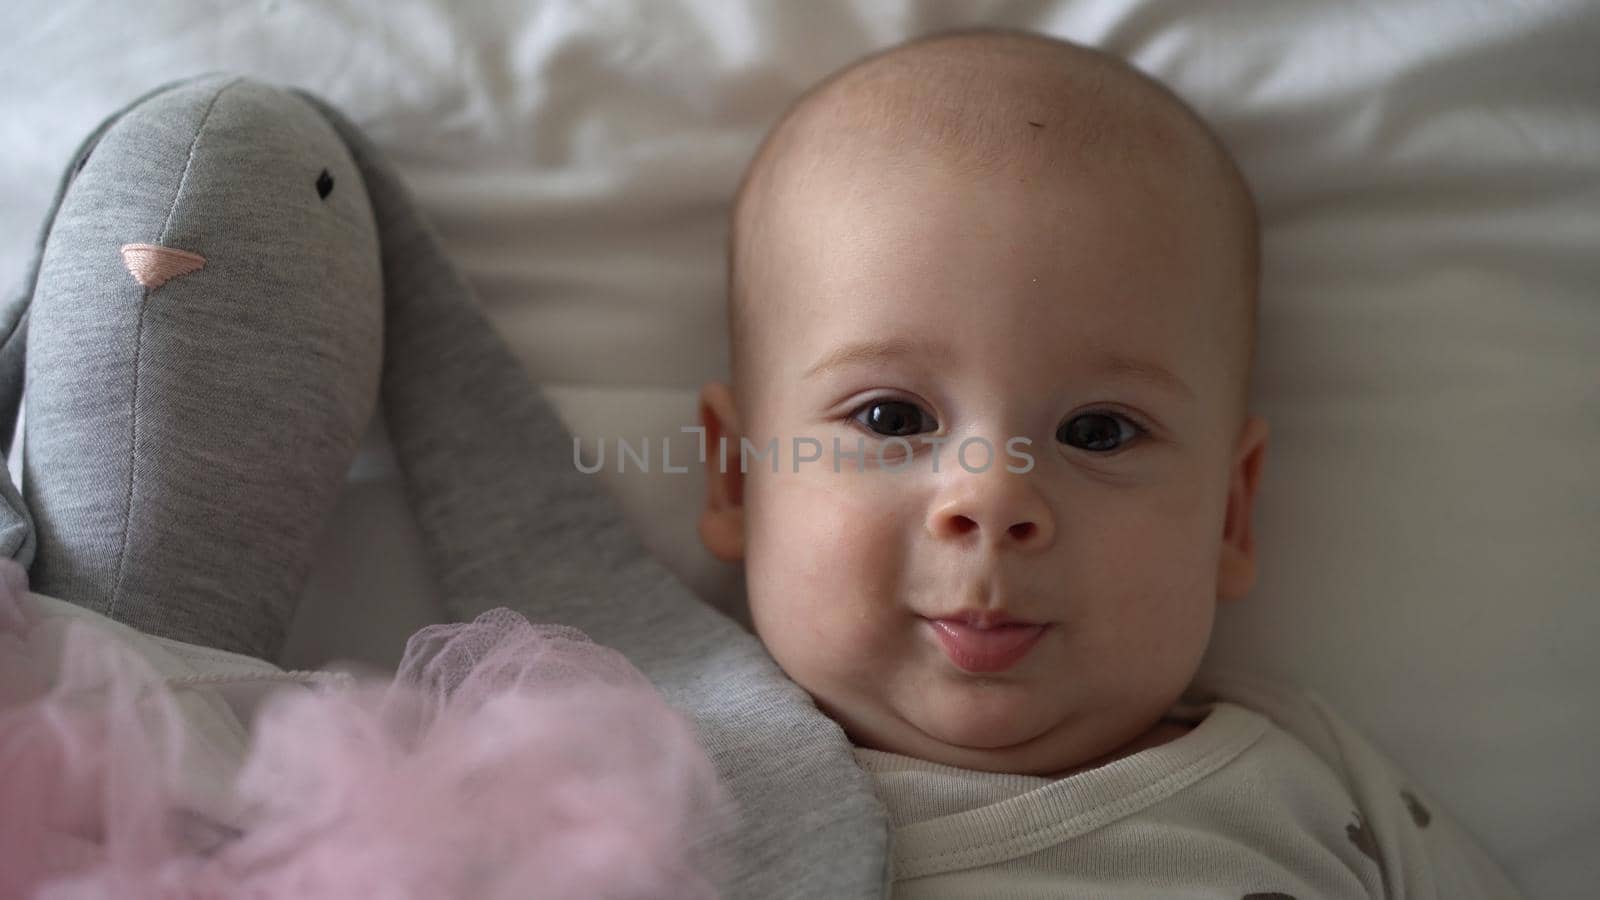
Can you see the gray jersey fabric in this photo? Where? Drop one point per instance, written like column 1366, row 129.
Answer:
column 186, row 442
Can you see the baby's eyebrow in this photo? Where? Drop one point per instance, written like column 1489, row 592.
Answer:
column 875, row 350
column 1150, row 373
column 882, row 349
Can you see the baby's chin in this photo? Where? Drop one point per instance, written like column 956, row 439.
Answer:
column 988, row 716
column 998, row 729
column 1055, row 753
column 1021, row 723
column 1033, row 756
column 1002, row 727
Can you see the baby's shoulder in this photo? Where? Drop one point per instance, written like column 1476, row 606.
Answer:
column 1300, row 718
column 1291, row 708
column 1420, row 848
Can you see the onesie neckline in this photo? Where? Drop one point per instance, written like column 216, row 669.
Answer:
column 1041, row 812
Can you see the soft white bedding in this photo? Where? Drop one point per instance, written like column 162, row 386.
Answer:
column 1429, row 177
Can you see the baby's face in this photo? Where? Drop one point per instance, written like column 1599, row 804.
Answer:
column 1075, row 322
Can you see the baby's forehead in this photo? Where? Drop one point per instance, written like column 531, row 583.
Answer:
column 1033, row 104
column 976, row 118
column 944, row 252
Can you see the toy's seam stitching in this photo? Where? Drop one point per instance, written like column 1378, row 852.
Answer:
column 138, row 347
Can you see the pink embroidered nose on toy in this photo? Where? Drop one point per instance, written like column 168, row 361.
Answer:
column 153, row 265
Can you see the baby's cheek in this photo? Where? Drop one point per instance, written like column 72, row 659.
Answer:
column 1142, row 580
column 826, row 566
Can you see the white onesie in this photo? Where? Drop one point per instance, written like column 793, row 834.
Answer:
column 1270, row 796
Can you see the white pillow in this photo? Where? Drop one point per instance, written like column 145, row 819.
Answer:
column 1427, row 173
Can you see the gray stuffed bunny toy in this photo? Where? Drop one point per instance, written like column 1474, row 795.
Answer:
column 231, row 283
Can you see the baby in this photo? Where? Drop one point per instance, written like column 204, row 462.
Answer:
column 988, row 461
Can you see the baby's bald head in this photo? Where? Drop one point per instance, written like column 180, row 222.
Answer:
column 980, row 101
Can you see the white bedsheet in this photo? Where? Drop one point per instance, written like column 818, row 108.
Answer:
column 1429, row 177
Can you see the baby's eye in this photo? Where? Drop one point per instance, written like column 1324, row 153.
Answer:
column 894, row 418
column 1100, row 432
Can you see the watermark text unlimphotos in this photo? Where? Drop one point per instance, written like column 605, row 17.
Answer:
column 892, row 454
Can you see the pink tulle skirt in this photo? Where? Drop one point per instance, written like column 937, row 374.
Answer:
column 504, row 760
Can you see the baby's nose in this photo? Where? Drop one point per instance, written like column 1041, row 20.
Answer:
column 1003, row 511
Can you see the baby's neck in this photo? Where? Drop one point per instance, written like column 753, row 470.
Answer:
column 1164, row 731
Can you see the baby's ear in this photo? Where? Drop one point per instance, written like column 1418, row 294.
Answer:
column 1236, row 570
column 722, row 521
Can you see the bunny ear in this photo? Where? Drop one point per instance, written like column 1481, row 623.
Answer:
column 17, row 539
column 14, row 309
column 14, row 313
column 16, row 524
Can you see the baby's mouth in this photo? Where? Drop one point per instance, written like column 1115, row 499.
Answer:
column 983, row 650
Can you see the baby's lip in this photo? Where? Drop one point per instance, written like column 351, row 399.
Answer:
column 980, row 650
column 982, row 619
